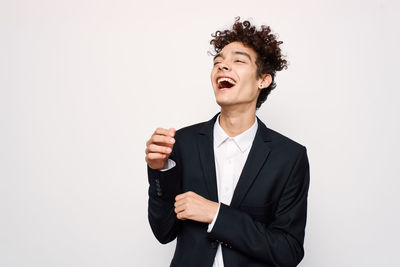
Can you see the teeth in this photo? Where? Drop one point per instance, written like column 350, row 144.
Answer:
column 226, row 79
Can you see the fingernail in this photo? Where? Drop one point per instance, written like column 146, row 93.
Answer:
column 171, row 140
column 168, row 150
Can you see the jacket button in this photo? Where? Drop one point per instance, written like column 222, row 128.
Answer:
column 159, row 194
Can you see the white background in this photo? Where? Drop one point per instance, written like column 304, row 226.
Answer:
column 85, row 83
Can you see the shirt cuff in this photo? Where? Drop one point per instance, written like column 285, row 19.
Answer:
column 211, row 225
column 170, row 164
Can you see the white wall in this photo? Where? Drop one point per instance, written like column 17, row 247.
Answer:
column 83, row 84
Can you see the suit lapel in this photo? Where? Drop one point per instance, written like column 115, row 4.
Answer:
column 205, row 144
column 258, row 154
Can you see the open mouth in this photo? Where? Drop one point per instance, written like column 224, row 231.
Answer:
column 225, row 83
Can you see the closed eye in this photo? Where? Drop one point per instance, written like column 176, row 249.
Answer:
column 215, row 63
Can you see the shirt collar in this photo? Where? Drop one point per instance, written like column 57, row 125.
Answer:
column 243, row 140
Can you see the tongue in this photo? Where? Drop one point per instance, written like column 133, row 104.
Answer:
column 225, row 84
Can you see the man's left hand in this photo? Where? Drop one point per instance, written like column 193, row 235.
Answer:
column 194, row 207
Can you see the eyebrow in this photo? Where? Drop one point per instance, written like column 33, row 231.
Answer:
column 235, row 52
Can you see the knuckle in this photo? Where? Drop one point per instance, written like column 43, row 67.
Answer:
column 151, row 140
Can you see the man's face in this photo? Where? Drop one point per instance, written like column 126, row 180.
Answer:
column 233, row 76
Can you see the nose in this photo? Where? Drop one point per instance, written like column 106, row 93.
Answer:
column 224, row 66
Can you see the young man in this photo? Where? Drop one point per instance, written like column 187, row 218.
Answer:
column 232, row 191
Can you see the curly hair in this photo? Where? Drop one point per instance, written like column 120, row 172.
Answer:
column 263, row 42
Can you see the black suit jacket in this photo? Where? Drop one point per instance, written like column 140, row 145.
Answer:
column 265, row 222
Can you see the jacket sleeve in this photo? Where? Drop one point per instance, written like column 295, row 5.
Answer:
column 279, row 243
column 163, row 187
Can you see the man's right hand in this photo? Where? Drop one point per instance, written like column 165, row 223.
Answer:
column 159, row 147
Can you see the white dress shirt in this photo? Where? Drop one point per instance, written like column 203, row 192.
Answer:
column 230, row 155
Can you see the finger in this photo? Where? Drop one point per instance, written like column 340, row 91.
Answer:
column 161, row 131
column 153, row 148
column 153, row 156
column 147, row 151
column 171, row 132
column 180, row 203
column 179, row 197
column 185, row 195
column 181, row 216
column 179, row 209
column 156, row 138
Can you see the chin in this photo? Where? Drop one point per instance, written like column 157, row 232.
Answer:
column 225, row 103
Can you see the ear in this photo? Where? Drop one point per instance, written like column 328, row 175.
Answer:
column 265, row 81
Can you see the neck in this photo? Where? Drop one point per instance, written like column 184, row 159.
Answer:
column 235, row 122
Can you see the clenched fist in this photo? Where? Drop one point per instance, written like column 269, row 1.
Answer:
column 194, row 207
column 159, row 147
